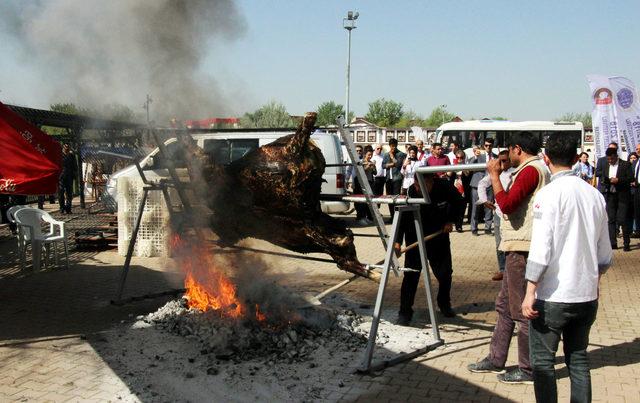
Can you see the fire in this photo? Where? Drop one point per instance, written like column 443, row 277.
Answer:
column 207, row 287
column 259, row 315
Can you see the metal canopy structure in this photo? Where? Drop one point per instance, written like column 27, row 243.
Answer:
column 42, row 117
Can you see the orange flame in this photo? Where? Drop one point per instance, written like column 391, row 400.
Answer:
column 207, row 287
column 259, row 315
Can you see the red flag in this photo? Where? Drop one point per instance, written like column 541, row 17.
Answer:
column 29, row 158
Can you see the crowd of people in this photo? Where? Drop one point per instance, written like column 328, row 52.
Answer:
column 555, row 218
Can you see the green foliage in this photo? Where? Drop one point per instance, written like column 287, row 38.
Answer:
column 385, row 113
column 585, row 118
column 498, row 118
column 71, row 108
column 410, row 118
column 271, row 115
column 119, row 112
column 438, row 116
column 328, row 112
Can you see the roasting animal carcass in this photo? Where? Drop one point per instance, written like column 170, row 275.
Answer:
column 273, row 193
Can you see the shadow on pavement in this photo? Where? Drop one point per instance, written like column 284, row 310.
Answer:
column 76, row 300
column 618, row 355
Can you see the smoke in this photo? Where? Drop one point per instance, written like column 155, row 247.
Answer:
column 96, row 52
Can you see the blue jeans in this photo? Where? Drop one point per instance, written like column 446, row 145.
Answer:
column 572, row 321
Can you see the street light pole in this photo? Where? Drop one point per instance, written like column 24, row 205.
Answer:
column 146, row 104
column 442, row 108
column 349, row 23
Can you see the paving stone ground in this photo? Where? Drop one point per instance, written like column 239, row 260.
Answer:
column 45, row 319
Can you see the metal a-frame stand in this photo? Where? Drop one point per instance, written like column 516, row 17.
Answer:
column 436, row 341
column 368, row 192
column 148, row 187
column 391, row 260
column 412, row 205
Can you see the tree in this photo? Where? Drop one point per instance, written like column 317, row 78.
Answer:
column 384, row 112
column 271, row 115
column 118, row 112
column 71, row 108
column 328, row 112
column 438, row 116
column 498, row 118
column 410, row 118
column 585, row 118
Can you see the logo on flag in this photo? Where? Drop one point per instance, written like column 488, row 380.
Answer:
column 603, row 96
column 625, row 98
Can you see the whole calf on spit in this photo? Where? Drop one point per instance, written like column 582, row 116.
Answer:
column 273, row 193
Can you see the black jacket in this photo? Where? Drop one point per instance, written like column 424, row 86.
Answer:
column 446, row 203
column 68, row 166
column 624, row 175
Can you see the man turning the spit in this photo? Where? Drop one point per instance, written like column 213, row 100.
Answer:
column 570, row 249
column 440, row 214
column 516, row 204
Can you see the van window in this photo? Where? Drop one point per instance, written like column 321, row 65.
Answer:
column 227, row 151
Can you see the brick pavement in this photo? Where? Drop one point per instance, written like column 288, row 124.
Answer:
column 44, row 354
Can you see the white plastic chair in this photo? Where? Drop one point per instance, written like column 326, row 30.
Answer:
column 29, row 222
column 11, row 216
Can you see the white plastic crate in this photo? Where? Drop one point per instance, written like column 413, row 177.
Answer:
column 154, row 232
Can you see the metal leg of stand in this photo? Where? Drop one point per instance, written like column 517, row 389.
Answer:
column 426, row 276
column 132, row 244
column 368, row 354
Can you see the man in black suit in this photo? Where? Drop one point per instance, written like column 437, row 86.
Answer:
column 601, row 162
column 614, row 181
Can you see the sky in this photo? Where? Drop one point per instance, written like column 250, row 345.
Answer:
column 520, row 60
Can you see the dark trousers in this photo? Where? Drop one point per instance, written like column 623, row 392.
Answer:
column 378, row 185
column 65, row 194
column 572, row 322
column 508, row 306
column 636, row 210
column 479, row 211
column 439, row 257
column 393, row 187
column 617, row 205
column 362, row 210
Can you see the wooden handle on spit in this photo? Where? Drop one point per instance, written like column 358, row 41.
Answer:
column 415, row 244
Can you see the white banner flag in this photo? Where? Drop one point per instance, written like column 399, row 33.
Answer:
column 627, row 110
column 603, row 115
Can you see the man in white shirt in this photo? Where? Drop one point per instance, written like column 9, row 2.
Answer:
column 569, row 251
column 379, row 177
column 422, row 153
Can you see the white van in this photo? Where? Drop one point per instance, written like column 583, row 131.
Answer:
column 228, row 146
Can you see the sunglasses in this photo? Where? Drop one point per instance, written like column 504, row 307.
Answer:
column 487, row 145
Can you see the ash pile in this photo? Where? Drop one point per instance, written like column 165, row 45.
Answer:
column 246, row 339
